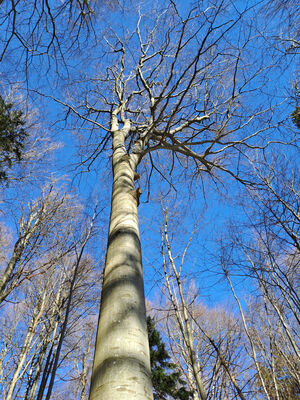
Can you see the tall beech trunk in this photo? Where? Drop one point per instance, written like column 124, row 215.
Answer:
column 121, row 367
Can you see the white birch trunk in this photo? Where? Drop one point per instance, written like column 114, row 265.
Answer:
column 121, row 369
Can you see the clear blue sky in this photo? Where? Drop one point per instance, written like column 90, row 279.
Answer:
column 217, row 205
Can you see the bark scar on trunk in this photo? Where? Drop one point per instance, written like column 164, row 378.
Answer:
column 136, row 194
column 136, row 176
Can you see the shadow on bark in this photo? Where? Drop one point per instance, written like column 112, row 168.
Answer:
column 123, row 280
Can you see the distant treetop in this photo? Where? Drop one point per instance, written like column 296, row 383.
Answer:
column 12, row 137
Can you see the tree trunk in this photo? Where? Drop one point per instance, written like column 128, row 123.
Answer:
column 121, row 367
column 26, row 347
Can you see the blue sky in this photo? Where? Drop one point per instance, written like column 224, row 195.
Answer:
column 217, row 205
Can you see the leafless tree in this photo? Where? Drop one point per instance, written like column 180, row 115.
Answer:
column 176, row 93
column 35, row 164
column 40, row 27
column 43, row 238
column 169, row 90
column 270, row 260
column 205, row 342
column 45, row 273
column 57, row 303
column 286, row 13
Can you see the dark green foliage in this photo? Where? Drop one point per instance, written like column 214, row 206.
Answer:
column 165, row 379
column 12, row 137
column 296, row 117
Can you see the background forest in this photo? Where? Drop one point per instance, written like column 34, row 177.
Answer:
column 206, row 95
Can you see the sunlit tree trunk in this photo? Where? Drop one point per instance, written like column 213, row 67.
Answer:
column 122, row 364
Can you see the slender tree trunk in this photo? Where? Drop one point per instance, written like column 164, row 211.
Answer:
column 35, row 371
column 121, row 367
column 46, row 372
column 67, row 313
column 184, row 320
column 24, row 353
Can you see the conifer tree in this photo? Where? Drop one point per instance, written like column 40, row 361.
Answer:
column 166, row 379
column 12, row 136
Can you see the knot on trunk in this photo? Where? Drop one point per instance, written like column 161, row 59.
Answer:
column 136, row 194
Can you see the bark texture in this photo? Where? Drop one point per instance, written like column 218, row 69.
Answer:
column 122, row 364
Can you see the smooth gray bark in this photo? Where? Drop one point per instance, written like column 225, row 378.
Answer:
column 122, row 363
